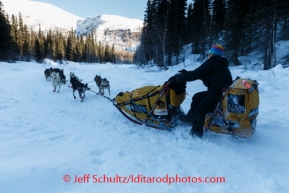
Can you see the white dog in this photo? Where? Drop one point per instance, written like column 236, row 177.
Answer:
column 56, row 81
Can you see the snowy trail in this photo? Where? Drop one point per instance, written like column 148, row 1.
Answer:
column 46, row 135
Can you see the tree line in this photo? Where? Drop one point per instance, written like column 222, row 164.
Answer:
column 18, row 43
column 242, row 27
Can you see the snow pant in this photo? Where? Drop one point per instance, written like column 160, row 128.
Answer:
column 202, row 103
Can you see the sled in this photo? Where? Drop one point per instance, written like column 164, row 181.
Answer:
column 237, row 110
column 153, row 106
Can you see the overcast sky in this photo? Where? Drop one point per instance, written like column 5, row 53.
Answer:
column 133, row 9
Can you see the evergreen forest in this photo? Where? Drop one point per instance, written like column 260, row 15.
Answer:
column 241, row 27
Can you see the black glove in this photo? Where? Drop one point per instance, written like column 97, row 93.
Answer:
column 183, row 71
column 173, row 79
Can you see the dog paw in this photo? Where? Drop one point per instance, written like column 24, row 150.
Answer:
column 74, row 97
column 54, row 90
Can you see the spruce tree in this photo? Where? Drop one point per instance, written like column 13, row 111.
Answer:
column 33, row 38
column 6, row 42
column 48, row 45
column 189, row 27
column 60, row 47
column 201, row 23
column 234, row 25
column 218, row 20
column 100, row 52
column 20, row 36
column 147, row 29
column 282, row 8
column 80, row 49
column 112, row 54
column 106, row 53
column 38, row 51
column 26, row 50
column 269, row 24
column 180, row 17
column 71, row 46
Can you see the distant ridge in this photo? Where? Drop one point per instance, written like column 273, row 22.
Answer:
column 123, row 32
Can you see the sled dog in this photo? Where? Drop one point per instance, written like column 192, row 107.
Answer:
column 78, row 85
column 102, row 84
column 47, row 74
column 56, row 81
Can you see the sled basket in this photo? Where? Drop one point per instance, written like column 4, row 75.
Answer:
column 154, row 106
column 236, row 112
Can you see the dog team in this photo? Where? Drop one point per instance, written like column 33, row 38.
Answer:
column 57, row 77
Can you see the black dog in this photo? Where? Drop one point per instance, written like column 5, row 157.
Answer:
column 77, row 85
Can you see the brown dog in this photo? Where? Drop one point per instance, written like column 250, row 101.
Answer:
column 102, row 83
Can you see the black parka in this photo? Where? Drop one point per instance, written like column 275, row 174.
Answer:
column 214, row 73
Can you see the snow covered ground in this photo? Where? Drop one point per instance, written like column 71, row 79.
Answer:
column 46, row 135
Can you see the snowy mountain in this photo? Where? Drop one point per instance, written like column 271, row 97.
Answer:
column 36, row 13
column 124, row 33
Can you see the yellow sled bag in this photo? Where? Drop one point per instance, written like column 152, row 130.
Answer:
column 237, row 110
column 155, row 106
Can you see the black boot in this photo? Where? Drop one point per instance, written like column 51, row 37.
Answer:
column 197, row 130
column 198, row 124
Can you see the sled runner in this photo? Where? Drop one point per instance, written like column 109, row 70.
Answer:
column 237, row 110
column 154, row 106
